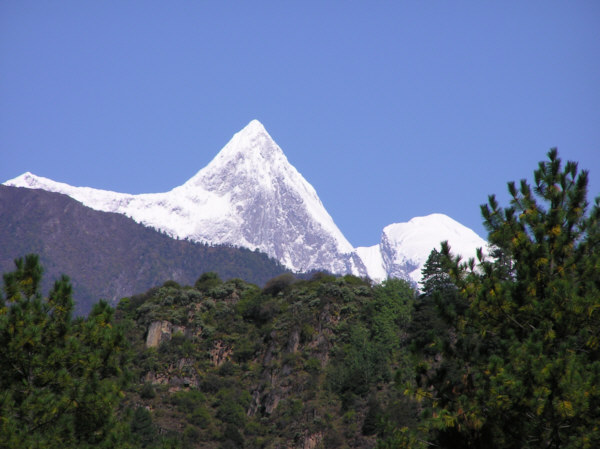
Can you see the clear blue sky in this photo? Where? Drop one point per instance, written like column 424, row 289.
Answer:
column 389, row 109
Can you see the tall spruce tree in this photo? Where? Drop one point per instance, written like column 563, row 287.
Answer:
column 431, row 325
column 60, row 376
column 528, row 343
column 434, row 275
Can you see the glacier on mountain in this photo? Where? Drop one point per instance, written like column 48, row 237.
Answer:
column 250, row 196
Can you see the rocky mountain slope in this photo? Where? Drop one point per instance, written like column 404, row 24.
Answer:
column 109, row 256
column 250, row 196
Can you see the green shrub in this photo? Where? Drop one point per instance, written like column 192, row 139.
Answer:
column 200, row 417
column 279, row 284
column 232, row 436
column 211, row 383
column 187, row 401
column 306, row 333
column 147, row 391
column 207, row 281
column 142, row 428
column 227, row 369
column 191, row 434
column 231, row 412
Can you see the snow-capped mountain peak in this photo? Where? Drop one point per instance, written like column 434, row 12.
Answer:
column 252, row 144
column 32, row 181
column 249, row 195
column 274, row 208
column 252, row 136
column 421, row 234
column 250, row 152
column 405, row 247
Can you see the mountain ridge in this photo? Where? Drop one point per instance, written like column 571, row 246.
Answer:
column 107, row 255
column 250, row 196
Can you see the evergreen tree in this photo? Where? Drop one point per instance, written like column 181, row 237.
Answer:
column 435, row 278
column 142, row 427
column 60, row 377
column 527, row 347
column 430, row 328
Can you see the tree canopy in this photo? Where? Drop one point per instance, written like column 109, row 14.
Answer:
column 60, row 378
column 522, row 367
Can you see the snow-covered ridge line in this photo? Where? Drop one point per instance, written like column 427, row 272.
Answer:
column 250, row 196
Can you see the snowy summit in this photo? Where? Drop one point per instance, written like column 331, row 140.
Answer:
column 404, row 247
column 249, row 195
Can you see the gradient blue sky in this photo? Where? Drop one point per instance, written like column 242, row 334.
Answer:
column 389, row 109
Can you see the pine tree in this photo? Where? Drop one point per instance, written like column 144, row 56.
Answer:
column 434, row 275
column 60, row 376
column 528, row 344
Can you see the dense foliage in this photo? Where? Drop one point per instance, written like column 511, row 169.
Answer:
column 300, row 362
column 60, row 380
column 517, row 359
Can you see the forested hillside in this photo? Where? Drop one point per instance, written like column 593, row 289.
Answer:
column 300, row 363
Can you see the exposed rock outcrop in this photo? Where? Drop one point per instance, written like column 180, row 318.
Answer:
column 220, row 353
column 158, row 331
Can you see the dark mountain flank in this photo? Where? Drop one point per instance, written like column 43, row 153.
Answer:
column 107, row 255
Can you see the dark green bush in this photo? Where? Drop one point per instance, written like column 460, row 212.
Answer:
column 147, row 391
column 207, row 281
column 279, row 284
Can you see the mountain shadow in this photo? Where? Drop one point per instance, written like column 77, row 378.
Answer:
column 107, row 255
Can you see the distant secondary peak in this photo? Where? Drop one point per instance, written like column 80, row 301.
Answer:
column 25, row 180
